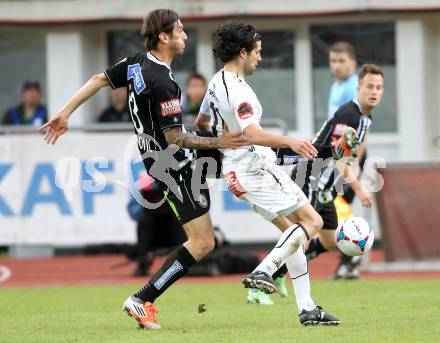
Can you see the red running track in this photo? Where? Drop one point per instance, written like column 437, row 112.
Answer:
column 98, row 270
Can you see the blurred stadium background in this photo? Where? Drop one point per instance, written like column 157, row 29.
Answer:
column 61, row 44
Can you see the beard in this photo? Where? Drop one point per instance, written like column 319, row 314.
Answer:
column 178, row 48
column 249, row 70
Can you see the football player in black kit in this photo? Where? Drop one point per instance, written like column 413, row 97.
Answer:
column 154, row 103
column 322, row 189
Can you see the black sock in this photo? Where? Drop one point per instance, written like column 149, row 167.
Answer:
column 175, row 266
column 345, row 259
column 280, row 272
column 315, row 248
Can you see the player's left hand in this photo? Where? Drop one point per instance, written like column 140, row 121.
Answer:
column 55, row 127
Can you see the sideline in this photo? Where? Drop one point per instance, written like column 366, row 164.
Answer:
column 5, row 273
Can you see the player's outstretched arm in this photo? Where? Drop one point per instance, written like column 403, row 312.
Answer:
column 58, row 124
column 259, row 136
column 174, row 135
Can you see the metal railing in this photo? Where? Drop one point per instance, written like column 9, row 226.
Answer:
column 274, row 123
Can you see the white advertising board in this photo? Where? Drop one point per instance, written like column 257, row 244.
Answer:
column 35, row 210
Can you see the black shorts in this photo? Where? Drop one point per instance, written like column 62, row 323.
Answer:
column 326, row 211
column 328, row 214
column 188, row 204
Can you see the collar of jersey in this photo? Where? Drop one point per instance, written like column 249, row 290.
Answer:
column 151, row 57
column 233, row 74
column 356, row 101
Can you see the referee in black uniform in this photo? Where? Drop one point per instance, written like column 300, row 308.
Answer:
column 154, row 103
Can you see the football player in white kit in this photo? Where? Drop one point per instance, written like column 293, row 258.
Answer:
column 251, row 174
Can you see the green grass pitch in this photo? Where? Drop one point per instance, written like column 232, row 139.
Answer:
column 371, row 311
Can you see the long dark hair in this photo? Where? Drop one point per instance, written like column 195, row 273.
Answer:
column 155, row 22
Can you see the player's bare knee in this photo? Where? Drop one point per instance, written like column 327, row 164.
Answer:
column 210, row 245
column 319, row 223
column 315, row 223
column 205, row 245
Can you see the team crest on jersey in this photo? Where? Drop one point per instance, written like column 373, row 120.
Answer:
column 245, row 110
column 170, row 107
column 339, row 130
column 134, row 72
column 234, row 185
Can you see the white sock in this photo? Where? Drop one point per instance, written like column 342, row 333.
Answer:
column 289, row 242
column 298, row 270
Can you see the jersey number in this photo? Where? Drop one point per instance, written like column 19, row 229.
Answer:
column 135, row 72
column 134, row 113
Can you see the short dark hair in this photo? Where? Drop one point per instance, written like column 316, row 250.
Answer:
column 369, row 69
column 230, row 38
column 195, row 76
column 344, row 47
column 31, row 85
column 155, row 22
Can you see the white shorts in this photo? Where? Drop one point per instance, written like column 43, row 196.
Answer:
column 268, row 189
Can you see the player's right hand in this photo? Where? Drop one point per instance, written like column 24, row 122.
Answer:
column 55, row 127
column 232, row 140
column 365, row 197
column 303, row 147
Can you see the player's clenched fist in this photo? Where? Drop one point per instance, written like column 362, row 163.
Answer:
column 303, row 147
column 55, row 127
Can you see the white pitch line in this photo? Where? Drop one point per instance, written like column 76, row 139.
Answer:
column 5, row 273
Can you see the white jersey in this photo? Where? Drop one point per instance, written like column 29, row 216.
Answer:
column 250, row 172
column 232, row 104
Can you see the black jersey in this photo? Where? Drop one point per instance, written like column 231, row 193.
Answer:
column 348, row 115
column 154, row 102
